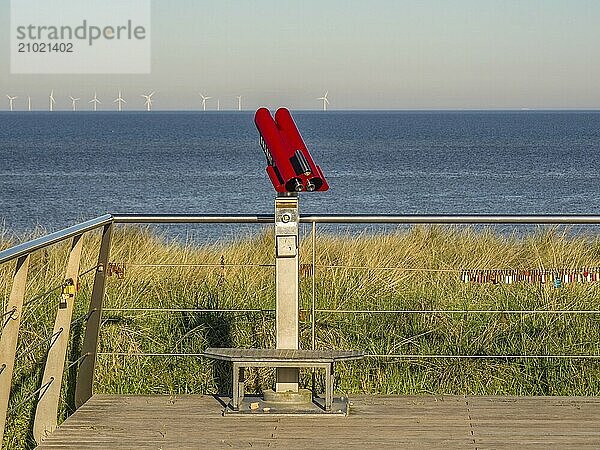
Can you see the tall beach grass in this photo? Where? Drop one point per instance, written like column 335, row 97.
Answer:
column 422, row 272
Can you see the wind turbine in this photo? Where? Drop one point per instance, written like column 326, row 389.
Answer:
column 204, row 101
column 239, row 97
column 29, row 103
column 11, row 100
column 120, row 101
column 148, row 101
column 95, row 101
column 325, row 101
column 52, row 101
column 74, row 101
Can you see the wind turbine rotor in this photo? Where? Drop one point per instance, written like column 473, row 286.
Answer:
column 11, row 100
column 148, row 100
column 120, row 100
column 95, row 101
column 52, row 101
column 204, row 98
column 325, row 100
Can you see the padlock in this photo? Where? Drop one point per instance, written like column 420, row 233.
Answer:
column 68, row 292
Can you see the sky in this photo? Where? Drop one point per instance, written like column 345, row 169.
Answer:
column 376, row 54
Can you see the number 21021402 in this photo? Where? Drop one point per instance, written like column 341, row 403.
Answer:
column 43, row 47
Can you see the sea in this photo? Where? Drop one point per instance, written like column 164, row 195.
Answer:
column 60, row 168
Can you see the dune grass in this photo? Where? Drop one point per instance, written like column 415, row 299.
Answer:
column 426, row 262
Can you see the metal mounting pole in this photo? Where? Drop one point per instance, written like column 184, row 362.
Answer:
column 286, row 278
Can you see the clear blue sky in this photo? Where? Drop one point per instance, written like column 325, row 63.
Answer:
column 376, row 54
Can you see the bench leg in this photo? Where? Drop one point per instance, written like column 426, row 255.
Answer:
column 241, row 390
column 329, row 378
column 235, row 400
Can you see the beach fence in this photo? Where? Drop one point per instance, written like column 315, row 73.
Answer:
column 65, row 354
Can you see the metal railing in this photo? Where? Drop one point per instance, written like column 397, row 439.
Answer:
column 53, row 238
column 50, row 385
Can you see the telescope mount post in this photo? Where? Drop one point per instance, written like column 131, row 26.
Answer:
column 287, row 220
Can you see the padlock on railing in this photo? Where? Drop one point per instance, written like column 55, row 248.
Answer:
column 68, row 292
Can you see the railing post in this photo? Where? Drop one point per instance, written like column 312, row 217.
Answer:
column 85, row 375
column 46, row 414
column 314, row 284
column 313, row 237
column 10, row 333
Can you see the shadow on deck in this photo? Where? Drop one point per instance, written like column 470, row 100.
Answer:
column 195, row 421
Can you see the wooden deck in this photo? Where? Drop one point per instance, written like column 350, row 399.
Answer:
column 193, row 422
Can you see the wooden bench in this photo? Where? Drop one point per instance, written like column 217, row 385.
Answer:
column 263, row 357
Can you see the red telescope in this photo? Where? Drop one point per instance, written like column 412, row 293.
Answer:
column 290, row 166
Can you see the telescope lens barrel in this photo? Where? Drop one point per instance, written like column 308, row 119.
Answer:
column 294, row 185
column 302, row 162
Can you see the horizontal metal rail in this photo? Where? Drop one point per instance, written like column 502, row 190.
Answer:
column 349, row 219
column 149, row 354
column 367, row 311
column 390, row 268
column 53, row 238
column 457, row 311
column 379, row 356
column 188, row 218
column 190, row 310
column 192, row 266
column 417, row 356
column 452, row 219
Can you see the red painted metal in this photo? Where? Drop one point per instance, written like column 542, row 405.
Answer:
column 290, row 165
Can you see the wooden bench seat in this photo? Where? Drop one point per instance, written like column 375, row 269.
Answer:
column 263, row 357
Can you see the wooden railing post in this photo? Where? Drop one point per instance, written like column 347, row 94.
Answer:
column 85, row 375
column 46, row 413
column 10, row 334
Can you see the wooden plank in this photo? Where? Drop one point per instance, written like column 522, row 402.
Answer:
column 85, row 374
column 177, row 422
column 535, row 422
column 11, row 323
column 281, row 354
column 47, row 408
